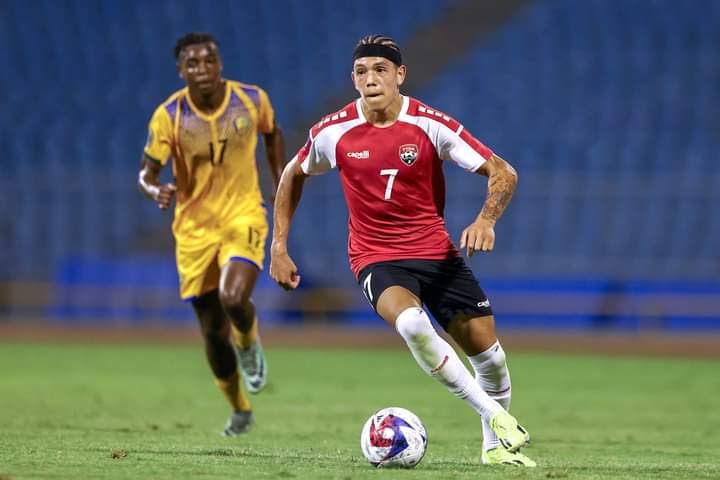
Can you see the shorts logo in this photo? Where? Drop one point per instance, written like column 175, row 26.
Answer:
column 484, row 304
column 367, row 289
column 365, row 154
column 408, row 153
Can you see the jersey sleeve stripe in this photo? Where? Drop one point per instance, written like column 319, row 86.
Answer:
column 452, row 142
column 171, row 108
column 253, row 93
column 304, row 164
column 318, row 154
column 476, row 145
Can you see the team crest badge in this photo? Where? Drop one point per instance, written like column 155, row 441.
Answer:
column 408, row 153
column 242, row 125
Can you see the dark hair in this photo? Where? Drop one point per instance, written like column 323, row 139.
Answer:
column 378, row 46
column 192, row 38
column 378, row 40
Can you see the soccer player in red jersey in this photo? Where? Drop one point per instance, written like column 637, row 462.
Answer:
column 389, row 150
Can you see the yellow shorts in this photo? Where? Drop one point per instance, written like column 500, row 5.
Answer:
column 200, row 257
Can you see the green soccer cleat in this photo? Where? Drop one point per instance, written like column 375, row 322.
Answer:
column 238, row 423
column 501, row 456
column 253, row 366
column 511, row 435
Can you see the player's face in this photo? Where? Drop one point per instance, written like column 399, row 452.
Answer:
column 378, row 81
column 201, row 67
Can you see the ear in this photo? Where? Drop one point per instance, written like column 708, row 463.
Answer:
column 352, row 76
column 220, row 61
column 401, row 73
column 178, row 66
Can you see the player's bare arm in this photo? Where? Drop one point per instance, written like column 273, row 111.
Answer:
column 502, row 180
column 149, row 184
column 275, row 152
column 282, row 268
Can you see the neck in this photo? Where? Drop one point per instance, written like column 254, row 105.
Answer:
column 208, row 102
column 386, row 116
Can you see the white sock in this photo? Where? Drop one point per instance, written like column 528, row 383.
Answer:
column 439, row 360
column 492, row 374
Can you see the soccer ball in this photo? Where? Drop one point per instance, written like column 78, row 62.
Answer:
column 393, row 437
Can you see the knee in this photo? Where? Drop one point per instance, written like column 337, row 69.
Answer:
column 210, row 315
column 491, row 362
column 234, row 299
column 496, row 361
column 413, row 324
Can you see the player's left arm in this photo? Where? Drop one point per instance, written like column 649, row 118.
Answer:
column 274, row 139
column 275, row 152
column 502, row 180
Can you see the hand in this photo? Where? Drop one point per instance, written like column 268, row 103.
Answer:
column 164, row 195
column 283, row 270
column 478, row 236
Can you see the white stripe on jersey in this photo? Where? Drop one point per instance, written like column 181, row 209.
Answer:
column 321, row 156
column 448, row 144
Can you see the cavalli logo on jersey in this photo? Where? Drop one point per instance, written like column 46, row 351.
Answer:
column 408, row 153
column 364, row 155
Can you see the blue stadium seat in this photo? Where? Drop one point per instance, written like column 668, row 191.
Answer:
column 609, row 102
column 604, row 106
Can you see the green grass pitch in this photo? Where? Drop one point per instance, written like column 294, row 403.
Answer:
column 67, row 410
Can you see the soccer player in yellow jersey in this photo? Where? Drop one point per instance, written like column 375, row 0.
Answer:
column 209, row 129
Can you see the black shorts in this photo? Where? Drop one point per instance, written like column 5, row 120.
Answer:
column 447, row 288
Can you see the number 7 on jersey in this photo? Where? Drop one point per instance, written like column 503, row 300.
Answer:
column 391, row 173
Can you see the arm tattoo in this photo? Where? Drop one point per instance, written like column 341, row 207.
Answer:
column 501, row 186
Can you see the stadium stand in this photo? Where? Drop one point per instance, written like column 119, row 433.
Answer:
column 607, row 108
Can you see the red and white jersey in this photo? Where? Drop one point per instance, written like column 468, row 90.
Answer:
column 392, row 178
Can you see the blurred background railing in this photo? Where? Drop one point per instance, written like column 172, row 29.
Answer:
column 609, row 109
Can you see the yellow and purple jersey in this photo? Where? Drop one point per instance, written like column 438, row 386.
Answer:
column 219, row 212
column 213, row 155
